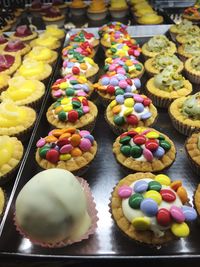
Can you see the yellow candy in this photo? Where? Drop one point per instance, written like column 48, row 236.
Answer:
column 154, row 195
column 152, row 135
column 65, row 157
column 81, row 98
column 89, row 60
column 129, row 102
column 129, row 63
column 63, row 85
column 139, row 129
column 108, row 60
column 141, row 223
column 82, row 79
column 105, row 36
column 113, row 103
column 67, row 108
column 58, row 109
column 65, row 101
column 132, row 68
column 163, row 179
column 121, row 53
column 128, row 111
column 125, row 48
column 180, row 229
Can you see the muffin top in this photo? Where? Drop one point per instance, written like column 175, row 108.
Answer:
column 184, row 26
column 158, row 43
column 161, row 61
column 192, row 47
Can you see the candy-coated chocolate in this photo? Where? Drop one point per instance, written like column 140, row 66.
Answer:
column 43, row 151
column 138, row 107
column 75, row 139
column 119, row 120
column 128, row 111
column 152, row 135
column 125, row 191
column 154, row 185
column 63, row 141
column 147, row 154
column 62, row 116
column 136, row 151
column 66, row 149
column 153, row 195
column 149, row 207
column 52, row 156
column 125, row 150
column 85, row 145
column 72, row 116
column 165, row 144
column 76, row 152
column 135, row 200
column 177, row 214
column 146, row 116
column 65, row 157
column 140, row 186
column 189, row 213
column 132, row 120
column 182, row 193
column 83, row 133
column 129, row 102
column 139, row 139
column 125, row 140
column 167, row 195
column 41, row 142
column 159, row 152
column 163, row 217
column 180, row 229
column 50, row 139
column 116, row 109
column 163, row 179
column 141, row 223
column 151, row 145
column 120, row 99
column 89, row 137
column 176, row 184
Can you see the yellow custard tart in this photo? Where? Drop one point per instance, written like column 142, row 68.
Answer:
column 11, row 151
column 33, row 69
column 4, row 78
column 46, row 41
column 44, row 54
column 54, row 31
column 16, row 120
column 24, row 92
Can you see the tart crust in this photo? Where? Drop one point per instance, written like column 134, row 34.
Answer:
column 171, row 48
column 197, row 199
column 15, row 65
column 183, row 55
column 192, row 74
column 192, row 150
column 2, row 201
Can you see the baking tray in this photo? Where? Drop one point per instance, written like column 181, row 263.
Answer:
column 108, row 242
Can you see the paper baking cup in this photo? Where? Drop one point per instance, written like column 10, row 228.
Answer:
column 92, row 211
column 192, row 77
column 173, row 36
column 159, row 101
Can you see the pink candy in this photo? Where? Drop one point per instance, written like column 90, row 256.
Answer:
column 147, row 154
column 123, row 84
column 177, row 214
column 125, row 191
column 66, row 149
column 85, row 144
column 57, row 93
column 64, row 64
column 81, row 93
column 136, row 53
column 112, row 67
column 41, row 142
column 83, row 133
column 86, row 109
column 121, row 71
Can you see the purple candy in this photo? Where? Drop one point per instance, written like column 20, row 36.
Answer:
column 138, row 107
column 90, row 137
column 121, row 71
column 140, row 186
column 177, row 214
column 120, row 46
column 41, row 142
column 128, row 89
column 121, row 62
column 125, row 191
column 190, row 213
column 77, row 86
column 84, row 132
column 120, row 99
column 121, row 77
column 146, row 116
column 159, row 152
column 127, row 95
column 137, row 82
column 57, row 93
column 138, row 98
column 85, row 144
column 114, row 81
column 66, row 149
column 149, row 207
column 123, row 84
column 85, row 87
column 70, row 64
column 105, row 81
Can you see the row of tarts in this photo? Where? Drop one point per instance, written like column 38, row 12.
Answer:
column 148, row 208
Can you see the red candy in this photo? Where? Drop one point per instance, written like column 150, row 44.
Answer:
column 110, row 89
column 131, row 52
column 123, row 135
column 76, row 99
column 167, row 195
column 163, row 217
column 132, row 119
column 52, row 156
column 132, row 133
column 129, row 81
column 75, row 70
column 62, row 142
column 139, row 139
column 72, row 116
column 85, row 102
column 152, row 145
column 146, row 102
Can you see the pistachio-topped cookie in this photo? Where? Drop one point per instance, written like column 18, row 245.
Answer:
column 192, row 69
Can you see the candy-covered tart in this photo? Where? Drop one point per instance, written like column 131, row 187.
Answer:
column 4, row 78
column 46, row 41
column 16, row 120
column 16, row 46
column 157, row 45
column 44, row 54
column 25, row 33
column 192, row 148
column 66, row 148
column 114, row 26
column 24, row 92
column 144, row 149
column 189, row 49
column 158, row 63
column 83, row 36
column 152, row 208
column 11, row 150
column 167, row 86
column 192, row 69
column 72, row 85
column 9, row 63
column 192, row 13
column 33, row 69
column 185, row 114
column 71, row 111
column 84, row 49
column 130, row 111
column 125, row 49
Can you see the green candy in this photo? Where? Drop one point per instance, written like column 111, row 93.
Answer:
column 119, row 92
column 76, row 104
column 56, row 104
column 43, row 151
column 115, row 56
column 70, row 52
column 106, row 67
column 118, row 120
column 125, row 140
column 80, row 112
column 69, row 92
column 165, row 144
column 138, row 67
column 125, row 68
column 81, row 34
column 113, row 50
column 76, row 39
column 73, row 82
column 135, row 200
column 154, row 185
column 125, row 150
column 62, row 116
column 82, row 40
column 161, row 137
column 136, row 151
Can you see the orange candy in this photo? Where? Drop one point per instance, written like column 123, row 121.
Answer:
column 58, row 132
column 65, row 135
column 71, row 130
column 76, row 152
column 50, row 139
column 75, row 140
column 182, row 193
column 116, row 109
column 58, row 109
column 175, row 185
column 83, row 66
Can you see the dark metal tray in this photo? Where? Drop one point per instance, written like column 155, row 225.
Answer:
column 108, row 242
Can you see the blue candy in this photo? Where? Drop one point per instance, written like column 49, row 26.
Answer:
column 120, row 99
column 77, row 86
column 126, row 95
column 138, row 107
column 128, row 89
column 146, row 116
column 90, row 137
column 105, row 81
column 137, row 83
column 140, row 186
column 149, row 207
column 114, row 81
column 85, row 87
column 159, row 152
column 190, row 213
column 70, row 64
column 121, row 77
column 121, row 62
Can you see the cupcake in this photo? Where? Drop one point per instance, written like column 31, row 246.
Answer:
column 151, row 208
column 54, row 31
column 16, row 46
column 64, row 203
column 193, row 33
column 122, row 65
column 192, row 148
column 78, row 8
column 35, row 70
column 97, row 10
column 46, row 41
column 4, row 78
column 189, row 49
column 25, row 33
column 83, row 36
column 24, row 92
column 43, row 54
column 167, row 86
column 84, row 49
column 184, row 26
column 9, row 63
column 72, row 85
column 11, row 150
column 150, row 19
column 144, row 149
column 192, row 69
column 2, row 202
column 53, row 15
column 80, row 65
column 192, row 13
column 110, row 86
column 111, row 27
column 125, row 49
column 16, row 120
column 158, row 63
column 130, row 111
column 75, row 112
column 157, row 45
column 118, row 9
column 68, row 149
column 185, row 114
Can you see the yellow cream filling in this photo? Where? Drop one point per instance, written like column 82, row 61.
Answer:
column 3, row 80
column 31, row 67
column 54, row 31
column 46, row 40
column 40, row 53
column 6, row 150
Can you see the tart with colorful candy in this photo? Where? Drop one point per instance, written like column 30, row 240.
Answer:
column 125, row 49
column 192, row 13
column 167, row 86
column 75, row 112
column 44, row 54
column 124, row 65
column 25, row 33
column 66, row 148
column 192, row 69
column 83, row 36
column 110, row 27
column 16, row 46
column 144, row 149
column 46, row 41
column 72, row 85
column 130, row 111
column 152, row 209
column 9, row 63
column 80, row 65
column 85, row 49
column 109, row 86
column 4, row 78
column 11, row 150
